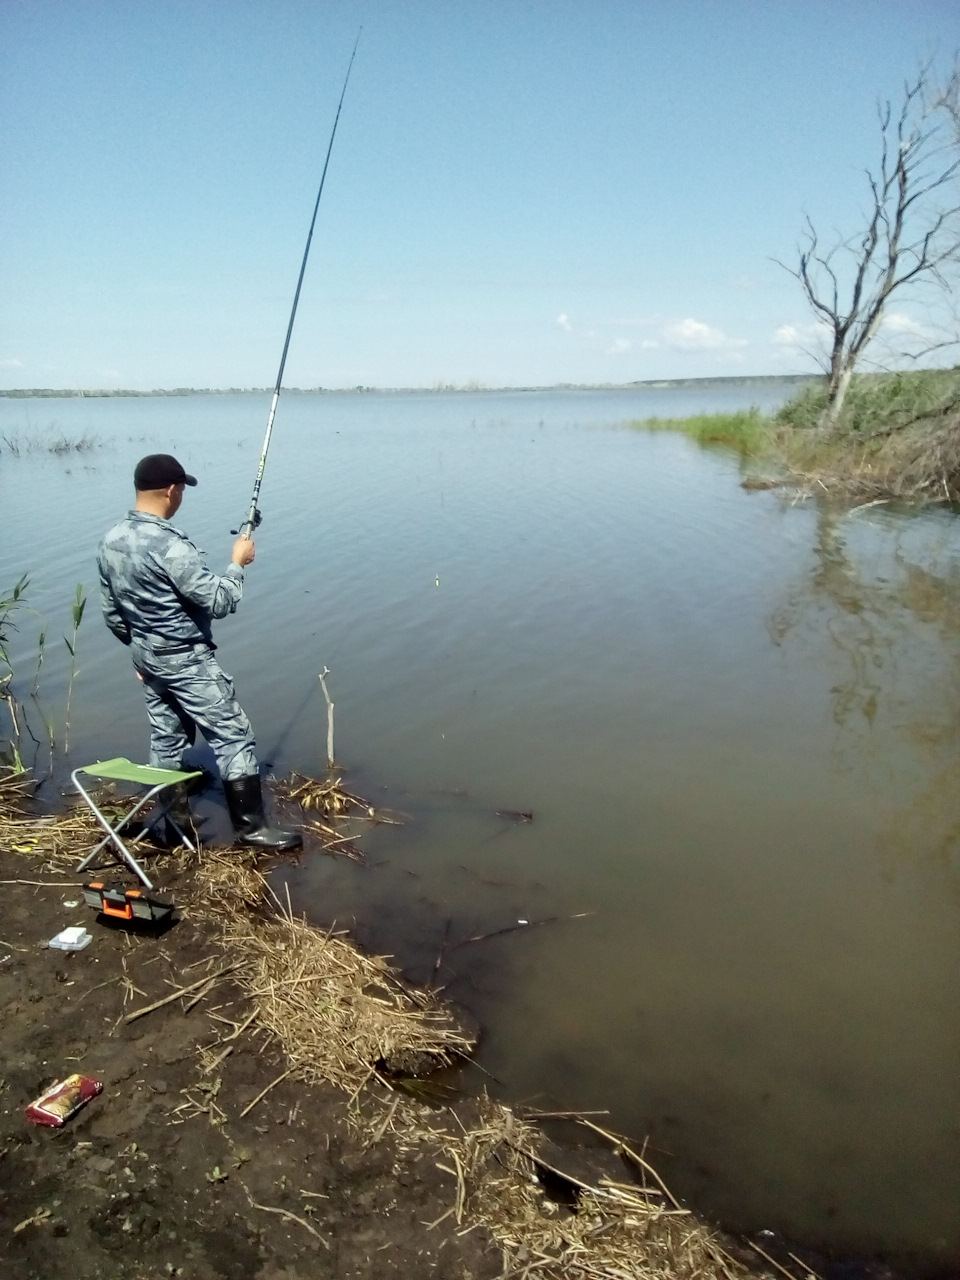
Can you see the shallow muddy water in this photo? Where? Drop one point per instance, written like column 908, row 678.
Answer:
column 735, row 722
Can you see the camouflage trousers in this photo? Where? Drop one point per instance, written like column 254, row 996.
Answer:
column 188, row 691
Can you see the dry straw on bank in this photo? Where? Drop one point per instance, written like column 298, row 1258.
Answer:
column 56, row 840
column 913, row 466
column 630, row 1229
column 338, row 1014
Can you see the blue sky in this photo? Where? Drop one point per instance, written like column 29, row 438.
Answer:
column 521, row 191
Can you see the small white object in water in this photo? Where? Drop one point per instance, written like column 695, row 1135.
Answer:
column 523, row 922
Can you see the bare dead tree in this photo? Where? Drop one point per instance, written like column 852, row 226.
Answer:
column 911, row 239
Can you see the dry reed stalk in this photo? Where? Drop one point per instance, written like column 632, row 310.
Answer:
column 291, row 1217
column 14, row 787
column 341, row 846
column 617, row 1232
column 263, row 1092
column 180, row 991
column 783, row 1270
column 44, row 884
column 387, row 1121
column 327, row 796
column 329, row 701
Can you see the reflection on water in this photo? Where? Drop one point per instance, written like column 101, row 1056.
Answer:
column 733, row 720
column 894, row 630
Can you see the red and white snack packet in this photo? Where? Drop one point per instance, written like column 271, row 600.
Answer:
column 63, row 1099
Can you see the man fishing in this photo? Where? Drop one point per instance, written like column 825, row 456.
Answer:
column 159, row 598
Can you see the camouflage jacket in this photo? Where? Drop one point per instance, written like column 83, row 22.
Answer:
column 155, row 590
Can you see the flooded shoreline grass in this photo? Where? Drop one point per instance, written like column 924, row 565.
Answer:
column 898, row 438
column 746, row 431
column 52, row 441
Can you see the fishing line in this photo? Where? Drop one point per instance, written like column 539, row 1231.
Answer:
column 253, row 515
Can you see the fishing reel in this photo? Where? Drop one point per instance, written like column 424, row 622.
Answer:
column 255, row 523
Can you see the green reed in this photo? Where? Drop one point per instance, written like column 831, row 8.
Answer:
column 747, row 431
column 11, row 604
column 79, row 604
column 56, row 442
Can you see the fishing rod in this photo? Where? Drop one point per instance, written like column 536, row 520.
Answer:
column 253, row 515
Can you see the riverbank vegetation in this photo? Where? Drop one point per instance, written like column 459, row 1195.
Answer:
column 897, row 436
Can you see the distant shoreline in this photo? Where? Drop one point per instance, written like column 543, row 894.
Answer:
column 653, row 384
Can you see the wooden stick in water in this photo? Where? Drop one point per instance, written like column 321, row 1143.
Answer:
column 526, row 924
column 620, row 1145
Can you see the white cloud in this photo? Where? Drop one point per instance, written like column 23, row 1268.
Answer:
column 802, row 336
column 693, row 335
column 897, row 322
column 12, row 363
column 649, row 344
column 788, row 335
column 619, row 346
column 563, row 320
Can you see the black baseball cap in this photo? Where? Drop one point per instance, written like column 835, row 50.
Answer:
column 159, row 471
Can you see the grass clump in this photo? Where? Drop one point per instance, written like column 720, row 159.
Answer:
column 56, row 442
column 747, row 431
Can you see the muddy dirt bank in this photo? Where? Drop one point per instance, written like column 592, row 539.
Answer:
column 161, row 1174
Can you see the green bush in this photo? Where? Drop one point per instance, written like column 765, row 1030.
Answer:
column 878, row 401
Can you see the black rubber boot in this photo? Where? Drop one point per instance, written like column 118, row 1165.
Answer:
column 245, row 803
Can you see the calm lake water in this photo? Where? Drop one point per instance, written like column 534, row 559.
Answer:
column 735, row 721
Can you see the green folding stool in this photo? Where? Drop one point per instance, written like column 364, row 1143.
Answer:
column 141, row 775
